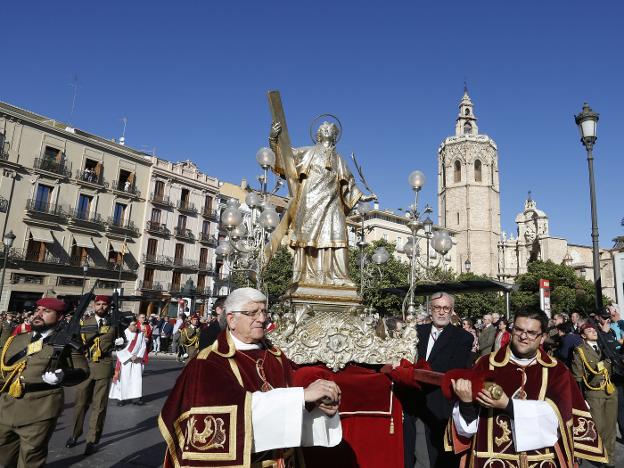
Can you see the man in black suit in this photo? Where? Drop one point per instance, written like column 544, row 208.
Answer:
column 445, row 347
column 209, row 334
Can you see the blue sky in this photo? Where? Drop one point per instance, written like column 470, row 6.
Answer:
column 191, row 77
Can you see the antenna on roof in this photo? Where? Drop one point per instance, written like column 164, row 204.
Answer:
column 122, row 139
column 74, row 85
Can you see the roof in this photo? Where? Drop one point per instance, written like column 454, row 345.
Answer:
column 455, row 287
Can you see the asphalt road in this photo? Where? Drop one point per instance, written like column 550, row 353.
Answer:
column 131, row 437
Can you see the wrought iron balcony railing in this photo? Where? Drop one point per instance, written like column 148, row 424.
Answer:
column 84, row 216
column 206, row 268
column 51, row 165
column 208, row 212
column 151, row 286
column 186, row 207
column 160, row 199
column 120, row 224
column 161, row 260
column 25, row 255
column 157, row 228
column 207, row 238
column 126, row 187
column 39, row 206
column 185, row 264
column 89, row 176
column 184, row 233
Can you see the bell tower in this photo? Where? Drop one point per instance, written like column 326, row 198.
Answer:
column 469, row 192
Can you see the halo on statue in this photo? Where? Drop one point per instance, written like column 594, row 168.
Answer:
column 314, row 126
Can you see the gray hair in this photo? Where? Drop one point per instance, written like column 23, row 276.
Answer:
column 241, row 297
column 440, row 295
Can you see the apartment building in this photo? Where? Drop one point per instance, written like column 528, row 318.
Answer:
column 73, row 201
column 179, row 237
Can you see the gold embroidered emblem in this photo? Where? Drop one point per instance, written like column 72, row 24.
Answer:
column 213, row 436
column 504, row 426
column 34, row 347
column 104, row 329
column 585, row 430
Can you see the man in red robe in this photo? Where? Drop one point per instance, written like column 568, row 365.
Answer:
column 540, row 419
column 233, row 404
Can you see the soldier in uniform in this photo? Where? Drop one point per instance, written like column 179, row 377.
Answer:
column 99, row 339
column 592, row 370
column 189, row 337
column 31, row 395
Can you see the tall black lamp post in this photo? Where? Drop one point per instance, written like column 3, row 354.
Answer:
column 8, row 239
column 587, row 121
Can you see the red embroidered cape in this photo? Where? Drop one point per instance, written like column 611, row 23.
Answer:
column 206, row 420
column 548, row 380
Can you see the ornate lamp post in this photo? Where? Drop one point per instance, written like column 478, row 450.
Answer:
column 467, row 265
column 439, row 240
column 8, row 239
column 587, row 121
column 243, row 248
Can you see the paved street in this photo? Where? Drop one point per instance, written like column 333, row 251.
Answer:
column 131, row 437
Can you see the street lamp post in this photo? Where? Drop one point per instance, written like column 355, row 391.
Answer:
column 587, row 121
column 8, row 239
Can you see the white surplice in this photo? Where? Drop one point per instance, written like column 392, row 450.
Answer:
column 280, row 420
column 130, row 383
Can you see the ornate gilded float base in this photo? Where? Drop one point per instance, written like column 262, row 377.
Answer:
column 329, row 325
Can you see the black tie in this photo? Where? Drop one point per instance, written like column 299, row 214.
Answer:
column 595, row 348
column 35, row 337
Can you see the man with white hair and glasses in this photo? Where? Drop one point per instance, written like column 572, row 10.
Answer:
column 233, row 404
column 444, row 347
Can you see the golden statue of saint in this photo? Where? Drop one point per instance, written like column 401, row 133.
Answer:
column 324, row 194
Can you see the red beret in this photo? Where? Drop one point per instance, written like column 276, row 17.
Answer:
column 587, row 325
column 103, row 298
column 52, row 303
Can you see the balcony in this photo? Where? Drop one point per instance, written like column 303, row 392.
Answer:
column 126, row 187
column 203, row 292
column 185, row 234
column 78, row 261
column 128, row 227
column 25, row 255
column 83, row 216
column 157, row 260
column 209, row 213
column 41, row 207
column 184, row 264
column 208, row 239
column 160, row 199
column 157, row 228
column 186, row 207
column 113, row 265
column 205, row 267
column 90, row 177
column 175, row 288
column 51, row 165
column 145, row 285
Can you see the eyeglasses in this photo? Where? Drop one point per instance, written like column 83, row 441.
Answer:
column 532, row 335
column 252, row 314
column 441, row 308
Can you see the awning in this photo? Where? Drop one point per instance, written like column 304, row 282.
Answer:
column 116, row 246
column 42, row 235
column 84, row 241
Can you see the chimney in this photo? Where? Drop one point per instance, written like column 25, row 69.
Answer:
column 243, row 184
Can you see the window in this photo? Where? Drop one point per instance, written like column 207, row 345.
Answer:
column 155, row 218
column 159, row 189
column 35, row 251
column 152, row 245
column 79, row 255
column 52, row 154
column 4, row 147
column 206, row 227
column 176, row 279
column 181, row 223
column 467, row 128
column 492, row 174
column 119, row 214
column 84, row 206
column 148, row 276
column 477, row 170
column 203, row 256
column 443, row 175
column 179, row 251
column 201, row 283
column 457, row 172
column 458, row 218
column 126, row 181
column 184, row 197
column 92, row 171
column 42, row 199
column 114, row 258
column 208, row 203
column 467, row 112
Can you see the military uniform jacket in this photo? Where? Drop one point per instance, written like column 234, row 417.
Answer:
column 99, row 345
column 190, row 336
column 39, row 401
column 587, row 367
